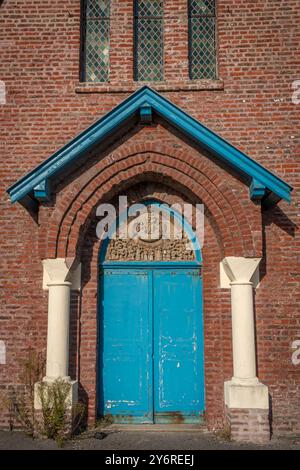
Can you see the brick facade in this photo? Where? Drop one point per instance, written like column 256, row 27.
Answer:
column 250, row 105
column 249, row 425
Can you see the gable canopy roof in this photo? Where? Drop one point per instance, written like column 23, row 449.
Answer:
column 263, row 184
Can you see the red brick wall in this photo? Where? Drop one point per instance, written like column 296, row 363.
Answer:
column 258, row 60
column 249, row 425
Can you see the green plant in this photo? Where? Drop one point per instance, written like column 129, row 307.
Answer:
column 60, row 419
column 6, row 405
column 78, row 417
column 54, row 399
column 224, row 433
column 19, row 400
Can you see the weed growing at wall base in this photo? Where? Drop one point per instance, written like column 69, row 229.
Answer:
column 58, row 416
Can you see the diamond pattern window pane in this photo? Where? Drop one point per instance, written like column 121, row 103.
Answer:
column 149, row 47
column 149, row 8
column 202, row 42
column 96, row 40
column 202, row 7
column 97, row 8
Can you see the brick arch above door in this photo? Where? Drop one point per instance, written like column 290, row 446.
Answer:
column 237, row 226
column 212, row 169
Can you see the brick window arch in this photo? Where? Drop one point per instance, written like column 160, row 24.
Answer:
column 202, row 39
column 95, row 40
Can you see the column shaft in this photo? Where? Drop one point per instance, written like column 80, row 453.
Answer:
column 58, row 330
column 243, row 337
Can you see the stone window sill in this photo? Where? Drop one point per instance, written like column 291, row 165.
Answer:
column 191, row 85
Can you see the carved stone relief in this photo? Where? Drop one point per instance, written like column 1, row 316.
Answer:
column 150, row 239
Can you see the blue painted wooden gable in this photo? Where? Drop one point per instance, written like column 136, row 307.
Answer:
column 143, row 104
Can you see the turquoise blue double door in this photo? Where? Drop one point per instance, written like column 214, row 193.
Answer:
column 151, row 367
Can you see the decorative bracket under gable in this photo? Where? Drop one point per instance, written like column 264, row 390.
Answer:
column 42, row 191
column 146, row 113
column 257, row 190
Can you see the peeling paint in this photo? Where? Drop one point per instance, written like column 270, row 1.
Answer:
column 153, row 361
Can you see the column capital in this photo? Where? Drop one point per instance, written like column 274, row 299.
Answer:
column 240, row 270
column 62, row 271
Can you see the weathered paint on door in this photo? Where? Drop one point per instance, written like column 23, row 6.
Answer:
column 151, row 345
column 125, row 342
column 178, row 349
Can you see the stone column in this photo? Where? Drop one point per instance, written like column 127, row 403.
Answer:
column 246, row 399
column 60, row 276
column 58, row 330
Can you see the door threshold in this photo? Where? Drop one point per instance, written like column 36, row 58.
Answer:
column 157, row 427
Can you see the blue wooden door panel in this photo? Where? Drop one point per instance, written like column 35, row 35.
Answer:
column 151, row 345
column 126, row 346
column 178, row 346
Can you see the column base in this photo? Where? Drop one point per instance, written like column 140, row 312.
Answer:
column 71, row 400
column 246, row 394
column 247, row 411
column 248, row 425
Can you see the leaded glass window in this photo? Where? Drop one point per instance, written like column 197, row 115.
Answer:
column 148, row 38
column 202, row 39
column 96, row 16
